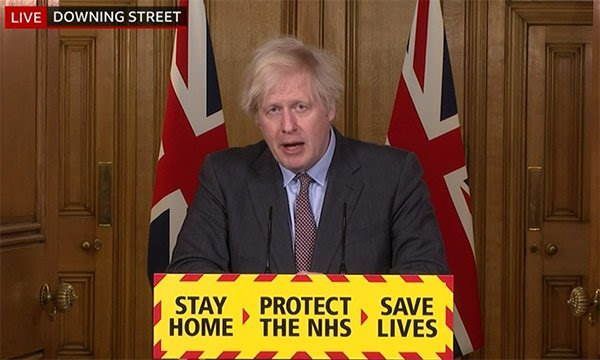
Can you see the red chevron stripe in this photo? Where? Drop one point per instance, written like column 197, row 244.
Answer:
column 191, row 277
column 337, row 278
column 449, row 318
column 373, row 355
column 411, row 356
column 374, row 278
column 301, row 355
column 446, row 355
column 191, row 355
column 448, row 280
column 228, row 355
column 157, row 278
column 266, row 355
column 301, row 278
column 336, row 355
column 411, row 278
column 157, row 313
column 228, row 277
column 265, row 277
column 157, row 352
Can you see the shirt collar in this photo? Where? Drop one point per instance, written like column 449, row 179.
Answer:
column 318, row 172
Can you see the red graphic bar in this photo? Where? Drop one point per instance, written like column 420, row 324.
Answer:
column 301, row 355
column 449, row 318
column 449, row 280
column 337, row 278
column 188, row 355
column 157, row 278
column 25, row 17
column 374, row 278
column 446, row 355
column 191, row 277
column 157, row 352
column 228, row 355
column 411, row 356
column 336, row 355
column 228, row 277
column 157, row 313
column 373, row 355
column 301, row 278
column 265, row 277
column 411, row 278
column 266, row 355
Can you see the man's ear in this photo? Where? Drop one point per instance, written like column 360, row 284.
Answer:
column 331, row 113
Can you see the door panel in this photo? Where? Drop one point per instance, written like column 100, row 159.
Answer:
column 559, row 73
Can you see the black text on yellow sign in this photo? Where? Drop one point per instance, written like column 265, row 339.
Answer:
column 318, row 316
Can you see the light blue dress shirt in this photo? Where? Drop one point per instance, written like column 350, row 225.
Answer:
column 316, row 190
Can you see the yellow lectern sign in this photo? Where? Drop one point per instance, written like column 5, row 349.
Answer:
column 316, row 316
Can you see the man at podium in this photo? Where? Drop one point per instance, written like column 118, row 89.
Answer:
column 307, row 198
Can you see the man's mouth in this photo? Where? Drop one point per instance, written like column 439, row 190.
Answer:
column 292, row 147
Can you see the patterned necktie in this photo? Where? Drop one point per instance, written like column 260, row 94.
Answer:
column 304, row 225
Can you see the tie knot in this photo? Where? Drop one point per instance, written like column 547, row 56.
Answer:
column 304, row 179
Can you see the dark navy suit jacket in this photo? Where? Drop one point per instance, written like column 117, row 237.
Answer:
column 391, row 227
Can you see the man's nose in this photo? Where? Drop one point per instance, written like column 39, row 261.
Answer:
column 289, row 123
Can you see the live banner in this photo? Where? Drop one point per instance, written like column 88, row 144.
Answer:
column 303, row 316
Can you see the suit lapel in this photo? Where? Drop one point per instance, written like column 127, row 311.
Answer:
column 343, row 186
column 266, row 190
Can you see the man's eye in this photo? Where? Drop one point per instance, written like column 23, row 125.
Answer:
column 272, row 110
column 301, row 107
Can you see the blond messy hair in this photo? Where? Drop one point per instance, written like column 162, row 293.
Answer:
column 287, row 55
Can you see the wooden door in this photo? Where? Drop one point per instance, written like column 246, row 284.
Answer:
column 56, row 216
column 558, row 146
column 27, row 238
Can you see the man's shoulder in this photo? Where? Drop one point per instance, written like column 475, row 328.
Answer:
column 375, row 154
column 238, row 155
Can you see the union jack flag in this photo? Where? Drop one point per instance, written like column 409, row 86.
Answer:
column 193, row 127
column 425, row 121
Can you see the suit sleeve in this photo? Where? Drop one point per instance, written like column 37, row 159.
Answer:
column 202, row 244
column 417, row 246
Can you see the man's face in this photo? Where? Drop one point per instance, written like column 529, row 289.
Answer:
column 294, row 122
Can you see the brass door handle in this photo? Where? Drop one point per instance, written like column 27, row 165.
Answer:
column 551, row 249
column 580, row 303
column 61, row 300
column 96, row 245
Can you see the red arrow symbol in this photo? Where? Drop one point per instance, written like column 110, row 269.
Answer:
column 245, row 316
column 363, row 316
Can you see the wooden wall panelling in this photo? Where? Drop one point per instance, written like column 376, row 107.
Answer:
column 475, row 140
column 382, row 31
column 128, row 295
column 236, row 32
column 494, row 317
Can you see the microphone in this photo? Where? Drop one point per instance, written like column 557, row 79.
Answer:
column 269, row 229
column 343, row 269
